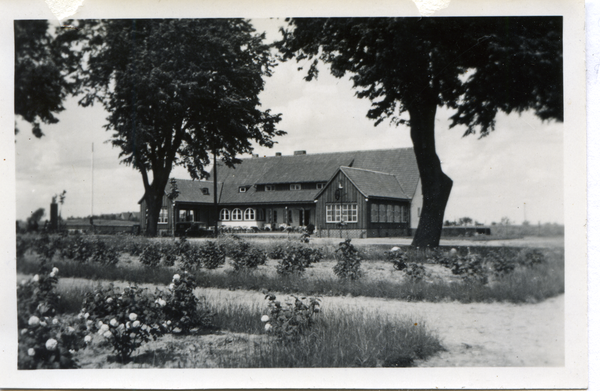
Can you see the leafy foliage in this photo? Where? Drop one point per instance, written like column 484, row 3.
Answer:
column 244, row 256
column 348, row 265
column 182, row 308
column 211, row 255
column 177, row 91
column 290, row 320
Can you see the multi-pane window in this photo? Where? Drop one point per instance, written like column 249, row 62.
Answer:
column 269, row 187
column 320, row 185
column 397, row 214
column 243, row 189
column 186, row 215
column 249, row 214
column 337, row 213
column 236, row 214
column 382, row 213
column 374, row 213
column 224, row 216
column 163, row 217
column 295, row 186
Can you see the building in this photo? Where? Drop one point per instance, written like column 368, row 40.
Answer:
column 350, row 194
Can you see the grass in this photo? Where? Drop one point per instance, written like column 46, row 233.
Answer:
column 339, row 338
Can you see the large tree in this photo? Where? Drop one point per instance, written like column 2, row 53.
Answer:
column 177, row 91
column 42, row 74
column 408, row 67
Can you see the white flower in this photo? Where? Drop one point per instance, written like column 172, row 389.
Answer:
column 128, row 325
column 265, row 318
column 103, row 329
column 42, row 323
column 268, row 327
column 23, row 282
column 109, row 300
column 161, row 302
column 87, row 338
column 395, row 248
column 453, row 251
column 171, row 287
column 89, row 323
column 136, row 324
column 80, row 315
column 36, row 278
column 31, row 352
column 54, row 321
column 51, row 344
column 70, row 329
column 99, row 324
column 108, row 334
column 55, row 270
column 87, row 315
column 34, row 321
column 132, row 317
column 121, row 328
column 24, row 331
column 176, row 277
column 168, row 322
column 52, row 274
column 113, row 322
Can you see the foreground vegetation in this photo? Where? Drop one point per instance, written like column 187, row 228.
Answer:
column 120, row 325
column 482, row 274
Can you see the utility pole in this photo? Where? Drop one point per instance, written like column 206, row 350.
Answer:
column 215, row 197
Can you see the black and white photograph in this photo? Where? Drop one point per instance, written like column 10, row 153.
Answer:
column 371, row 197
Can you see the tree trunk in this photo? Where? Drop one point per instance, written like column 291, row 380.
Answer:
column 154, row 197
column 436, row 185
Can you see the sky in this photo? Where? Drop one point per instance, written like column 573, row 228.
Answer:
column 516, row 172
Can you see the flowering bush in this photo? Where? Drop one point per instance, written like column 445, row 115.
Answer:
column 533, row 258
column 398, row 257
column 348, row 265
column 290, row 320
column 277, row 252
column 44, row 340
column 470, row 267
column 126, row 318
column 190, row 258
column 211, row 255
column 415, row 272
column 180, row 307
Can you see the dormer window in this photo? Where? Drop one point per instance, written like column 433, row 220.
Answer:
column 243, row 189
column 205, row 191
column 269, row 187
column 320, row 185
column 295, row 186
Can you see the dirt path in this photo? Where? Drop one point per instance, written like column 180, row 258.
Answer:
column 476, row 334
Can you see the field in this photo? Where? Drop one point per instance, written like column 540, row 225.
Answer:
column 475, row 305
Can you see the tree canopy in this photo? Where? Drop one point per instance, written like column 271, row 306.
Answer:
column 42, row 70
column 177, row 91
column 407, row 67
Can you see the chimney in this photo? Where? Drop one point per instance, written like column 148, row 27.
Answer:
column 277, row 153
column 299, row 152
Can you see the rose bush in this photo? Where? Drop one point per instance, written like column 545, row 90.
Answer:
column 290, row 320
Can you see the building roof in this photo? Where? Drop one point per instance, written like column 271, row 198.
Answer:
column 375, row 184
column 191, row 191
column 390, row 173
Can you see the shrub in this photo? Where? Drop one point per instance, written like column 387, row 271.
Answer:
column 499, row 263
column 77, row 248
column 415, row 272
column 533, row 258
column 104, row 253
column 211, row 255
column 180, row 307
column 348, row 265
column 190, row 258
column 169, row 252
column 244, row 257
column 310, row 228
column 397, row 257
column 44, row 340
column 290, row 320
column 277, row 252
column 470, row 267
column 151, row 255
column 126, row 319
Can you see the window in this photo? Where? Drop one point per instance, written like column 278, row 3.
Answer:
column 269, row 187
column 205, row 191
column 185, row 215
column 398, row 214
column 404, row 214
column 163, row 217
column 249, row 214
column 337, row 213
column 224, row 214
column 295, row 186
column 243, row 189
column 374, row 213
column 390, row 213
column 236, row 214
column 382, row 214
column 289, row 220
column 320, row 185
column 260, row 214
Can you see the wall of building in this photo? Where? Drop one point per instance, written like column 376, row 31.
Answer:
column 349, row 195
column 416, row 206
